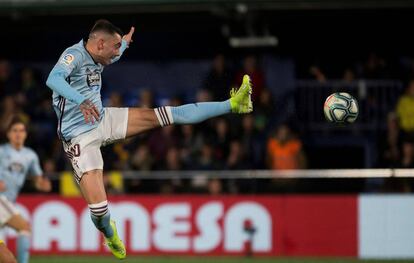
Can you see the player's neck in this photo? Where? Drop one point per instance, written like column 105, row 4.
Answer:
column 89, row 48
column 16, row 146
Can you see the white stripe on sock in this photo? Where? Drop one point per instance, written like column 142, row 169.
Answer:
column 157, row 113
column 169, row 115
column 164, row 115
column 99, row 209
column 103, row 203
column 100, row 213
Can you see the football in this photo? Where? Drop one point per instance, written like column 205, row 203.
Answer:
column 340, row 107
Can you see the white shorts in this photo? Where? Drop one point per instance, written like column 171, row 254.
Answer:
column 84, row 150
column 7, row 210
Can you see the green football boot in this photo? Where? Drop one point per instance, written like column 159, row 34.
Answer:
column 240, row 100
column 115, row 244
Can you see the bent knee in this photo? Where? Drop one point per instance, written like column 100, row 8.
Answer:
column 25, row 229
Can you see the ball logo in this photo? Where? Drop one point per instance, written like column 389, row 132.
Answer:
column 67, row 59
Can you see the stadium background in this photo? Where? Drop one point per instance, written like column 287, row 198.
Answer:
column 217, row 171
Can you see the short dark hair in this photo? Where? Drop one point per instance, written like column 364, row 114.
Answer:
column 15, row 120
column 103, row 25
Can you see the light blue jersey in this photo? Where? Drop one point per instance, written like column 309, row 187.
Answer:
column 14, row 166
column 75, row 78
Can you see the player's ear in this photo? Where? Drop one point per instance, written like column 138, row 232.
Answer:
column 100, row 44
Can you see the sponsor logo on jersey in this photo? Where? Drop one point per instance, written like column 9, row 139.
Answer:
column 16, row 167
column 67, row 59
column 93, row 78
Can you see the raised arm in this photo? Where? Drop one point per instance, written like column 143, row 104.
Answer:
column 126, row 40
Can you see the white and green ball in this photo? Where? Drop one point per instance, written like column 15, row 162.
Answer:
column 341, row 107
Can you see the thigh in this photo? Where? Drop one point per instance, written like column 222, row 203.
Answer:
column 18, row 223
column 5, row 254
column 114, row 125
column 92, row 187
column 141, row 120
column 85, row 154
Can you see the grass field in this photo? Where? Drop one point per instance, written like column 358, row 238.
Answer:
column 72, row 259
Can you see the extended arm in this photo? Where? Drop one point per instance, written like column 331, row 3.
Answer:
column 124, row 45
column 126, row 40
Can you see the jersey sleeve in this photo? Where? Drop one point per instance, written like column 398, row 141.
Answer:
column 124, row 46
column 70, row 60
column 35, row 169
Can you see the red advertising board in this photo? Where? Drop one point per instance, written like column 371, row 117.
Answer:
column 293, row 225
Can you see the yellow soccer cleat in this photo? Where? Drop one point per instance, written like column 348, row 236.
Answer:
column 240, row 100
column 115, row 244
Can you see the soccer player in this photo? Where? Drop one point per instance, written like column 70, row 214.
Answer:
column 84, row 125
column 17, row 161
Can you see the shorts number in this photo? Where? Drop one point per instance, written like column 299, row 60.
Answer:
column 74, row 150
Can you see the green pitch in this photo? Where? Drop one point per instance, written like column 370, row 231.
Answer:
column 147, row 259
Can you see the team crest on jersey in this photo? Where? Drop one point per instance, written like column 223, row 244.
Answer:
column 16, row 167
column 93, row 78
column 67, row 59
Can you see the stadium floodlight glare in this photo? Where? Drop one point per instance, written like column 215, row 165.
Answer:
column 253, row 41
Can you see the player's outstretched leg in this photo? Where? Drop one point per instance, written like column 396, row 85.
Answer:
column 240, row 102
column 141, row 120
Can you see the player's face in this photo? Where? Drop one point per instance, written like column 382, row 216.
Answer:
column 17, row 134
column 110, row 49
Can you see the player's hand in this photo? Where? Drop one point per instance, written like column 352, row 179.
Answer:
column 43, row 184
column 128, row 37
column 46, row 185
column 89, row 111
column 2, row 186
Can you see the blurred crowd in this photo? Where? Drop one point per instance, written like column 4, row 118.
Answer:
column 231, row 142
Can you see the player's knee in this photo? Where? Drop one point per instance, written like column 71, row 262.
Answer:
column 25, row 228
